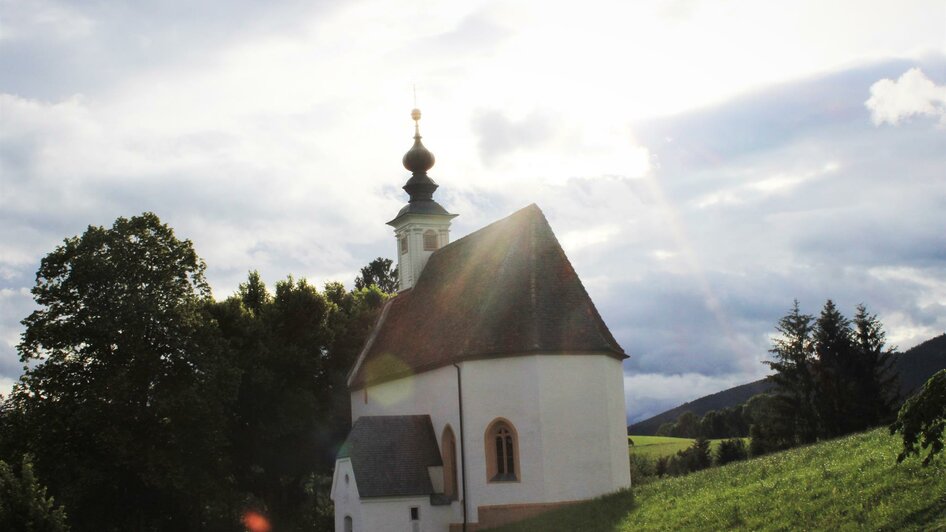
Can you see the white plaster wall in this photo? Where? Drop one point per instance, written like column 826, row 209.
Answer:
column 433, row 393
column 394, row 515
column 345, row 496
column 568, row 411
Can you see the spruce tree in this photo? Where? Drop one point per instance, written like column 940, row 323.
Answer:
column 834, row 364
column 876, row 384
column 794, row 392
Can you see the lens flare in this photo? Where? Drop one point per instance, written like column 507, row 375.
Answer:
column 255, row 522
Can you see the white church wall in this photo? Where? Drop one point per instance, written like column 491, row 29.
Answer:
column 345, row 496
column 568, row 412
column 394, row 515
column 433, row 393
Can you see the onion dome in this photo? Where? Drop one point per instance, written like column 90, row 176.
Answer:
column 420, row 186
column 418, row 159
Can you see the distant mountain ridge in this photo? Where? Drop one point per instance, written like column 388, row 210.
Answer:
column 914, row 366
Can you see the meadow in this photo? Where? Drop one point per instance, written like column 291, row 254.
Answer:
column 851, row 483
column 656, row 446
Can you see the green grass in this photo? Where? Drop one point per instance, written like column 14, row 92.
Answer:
column 852, row 483
column 657, row 446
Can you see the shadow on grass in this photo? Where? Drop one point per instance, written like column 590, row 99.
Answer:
column 920, row 519
column 604, row 514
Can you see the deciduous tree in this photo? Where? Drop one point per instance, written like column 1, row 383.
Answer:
column 123, row 404
column 922, row 420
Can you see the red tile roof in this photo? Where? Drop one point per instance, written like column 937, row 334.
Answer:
column 505, row 290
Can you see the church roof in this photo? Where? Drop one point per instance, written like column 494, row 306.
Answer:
column 505, row 290
column 390, row 455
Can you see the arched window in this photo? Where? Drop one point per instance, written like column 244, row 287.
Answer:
column 448, row 448
column 502, row 452
column 349, row 526
column 430, row 240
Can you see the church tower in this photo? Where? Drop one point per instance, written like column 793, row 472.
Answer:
column 423, row 225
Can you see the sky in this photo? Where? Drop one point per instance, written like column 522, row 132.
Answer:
column 702, row 163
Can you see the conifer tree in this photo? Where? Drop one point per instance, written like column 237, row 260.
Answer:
column 834, row 364
column 876, row 384
column 795, row 387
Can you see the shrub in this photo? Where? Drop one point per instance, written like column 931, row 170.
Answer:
column 731, row 451
column 643, row 469
column 662, row 466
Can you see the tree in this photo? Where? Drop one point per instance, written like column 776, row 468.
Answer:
column 876, row 385
column 923, row 416
column 793, row 378
column 713, row 425
column 380, row 273
column 292, row 351
column 731, row 450
column 23, row 502
column 834, row 363
column 124, row 406
column 687, row 426
column 665, row 429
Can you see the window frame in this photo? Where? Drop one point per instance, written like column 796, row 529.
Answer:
column 431, row 236
column 499, row 440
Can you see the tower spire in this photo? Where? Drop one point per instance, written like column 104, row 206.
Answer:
column 423, row 225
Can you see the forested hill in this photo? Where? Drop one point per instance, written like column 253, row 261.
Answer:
column 717, row 401
column 915, row 366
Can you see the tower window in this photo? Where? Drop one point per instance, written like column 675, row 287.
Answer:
column 502, row 452
column 430, row 240
column 403, row 244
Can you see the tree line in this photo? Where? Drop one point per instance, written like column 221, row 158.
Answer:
column 832, row 377
column 148, row 405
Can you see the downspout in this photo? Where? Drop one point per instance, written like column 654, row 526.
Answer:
column 462, row 440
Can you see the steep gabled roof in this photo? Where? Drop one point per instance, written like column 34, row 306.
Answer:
column 505, row 290
column 390, row 455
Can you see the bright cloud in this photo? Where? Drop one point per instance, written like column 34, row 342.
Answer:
column 912, row 94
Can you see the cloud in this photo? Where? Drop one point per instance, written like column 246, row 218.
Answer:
column 648, row 394
column 912, row 94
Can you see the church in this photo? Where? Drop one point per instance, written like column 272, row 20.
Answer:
column 489, row 390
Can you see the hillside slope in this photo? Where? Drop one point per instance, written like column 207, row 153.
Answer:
column 914, row 366
column 848, row 483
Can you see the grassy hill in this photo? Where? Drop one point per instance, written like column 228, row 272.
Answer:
column 914, row 367
column 851, row 483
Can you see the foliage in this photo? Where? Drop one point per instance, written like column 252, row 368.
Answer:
column 666, row 429
column 794, row 382
column 149, row 406
column 832, row 377
column 643, row 468
column 875, row 384
column 844, row 484
column 731, row 450
column 23, row 502
column 380, row 273
column 292, row 351
column 122, row 405
column 687, row 426
column 923, row 415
